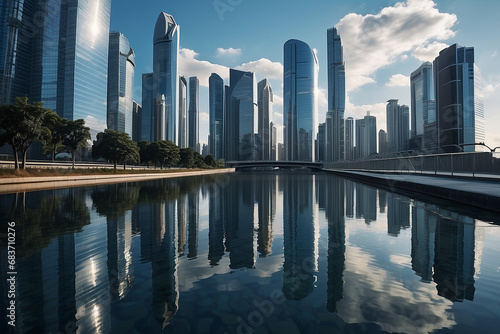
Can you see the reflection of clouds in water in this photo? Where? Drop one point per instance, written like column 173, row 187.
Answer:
column 372, row 295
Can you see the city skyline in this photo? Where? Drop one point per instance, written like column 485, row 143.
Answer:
column 369, row 82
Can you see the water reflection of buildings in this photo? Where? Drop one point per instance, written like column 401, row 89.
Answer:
column 300, row 236
column 266, row 198
column 239, row 220
column 443, row 249
column 398, row 213
column 336, row 240
column 216, row 225
column 366, row 203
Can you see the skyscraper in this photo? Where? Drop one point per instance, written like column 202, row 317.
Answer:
column 320, row 142
column 216, row 115
column 16, row 46
column 366, row 136
column 382, row 141
column 300, row 109
column 459, row 107
column 165, row 75
column 183, row 116
column 136, row 121
column 265, row 108
column 239, row 118
column 336, row 97
column 194, row 114
column 398, row 126
column 62, row 60
column 349, row 138
column 120, row 83
column 423, row 106
column 147, row 125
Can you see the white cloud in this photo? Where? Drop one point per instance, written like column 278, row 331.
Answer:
column 190, row 66
column 204, row 116
column 230, row 52
column 398, row 80
column 378, row 110
column 374, row 41
column 429, row 52
column 264, row 68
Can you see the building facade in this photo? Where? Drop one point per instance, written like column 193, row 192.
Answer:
column 366, row 136
column 423, row 106
column 120, row 83
column 265, row 118
column 136, row 121
column 300, row 108
column 335, row 145
column 183, row 115
column 241, row 99
column 216, row 116
column 349, row 138
column 165, row 74
column 459, row 107
column 194, row 114
column 60, row 60
column 398, row 127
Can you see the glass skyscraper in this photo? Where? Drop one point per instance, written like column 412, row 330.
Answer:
column 300, row 108
column 183, row 119
column 336, row 97
column 65, row 53
column 194, row 114
column 398, row 126
column 216, row 115
column 147, row 130
column 265, row 108
column 165, row 75
column 366, row 136
column 459, row 107
column 423, row 106
column 241, row 96
column 120, row 83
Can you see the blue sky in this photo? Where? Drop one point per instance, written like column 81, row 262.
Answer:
column 384, row 41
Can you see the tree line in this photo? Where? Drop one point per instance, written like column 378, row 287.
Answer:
column 22, row 123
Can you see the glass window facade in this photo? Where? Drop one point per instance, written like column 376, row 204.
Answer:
column 240, row 113
column 183, row 129
column 216, row 115
column 147, row 131
column 300, row 109
column 265, row 109
column 165, row 75
column 120, row 83
column 194, row 113
column 335, row 147
column 458, row 121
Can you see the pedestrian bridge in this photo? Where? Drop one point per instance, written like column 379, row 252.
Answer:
column 242, row 165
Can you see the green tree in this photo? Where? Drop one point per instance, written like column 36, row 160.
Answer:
column 144, row 152
column 210, row 161
column 186, row 157
column 116, row 147
column 21, row 124
column 74, row 136
column 53, row 143
column 199, row 161
column 165, row 152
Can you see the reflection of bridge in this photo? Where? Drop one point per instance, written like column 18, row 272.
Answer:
column 241, row 165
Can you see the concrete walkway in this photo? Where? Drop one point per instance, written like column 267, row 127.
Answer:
column 480, row 193
column 23, row 184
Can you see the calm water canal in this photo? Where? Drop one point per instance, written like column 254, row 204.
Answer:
column 273, row 252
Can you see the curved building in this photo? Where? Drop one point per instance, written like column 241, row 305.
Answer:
column 299, row 105
column 120, row 83
column 165, row 75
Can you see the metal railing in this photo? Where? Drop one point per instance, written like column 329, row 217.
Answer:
column 466, row 163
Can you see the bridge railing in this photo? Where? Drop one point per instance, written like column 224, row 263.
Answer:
column 468, row 163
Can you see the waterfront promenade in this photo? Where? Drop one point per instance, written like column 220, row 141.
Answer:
column 482, row 192
column 21, row 184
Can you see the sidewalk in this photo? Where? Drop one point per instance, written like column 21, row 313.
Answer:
column 480, row 193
